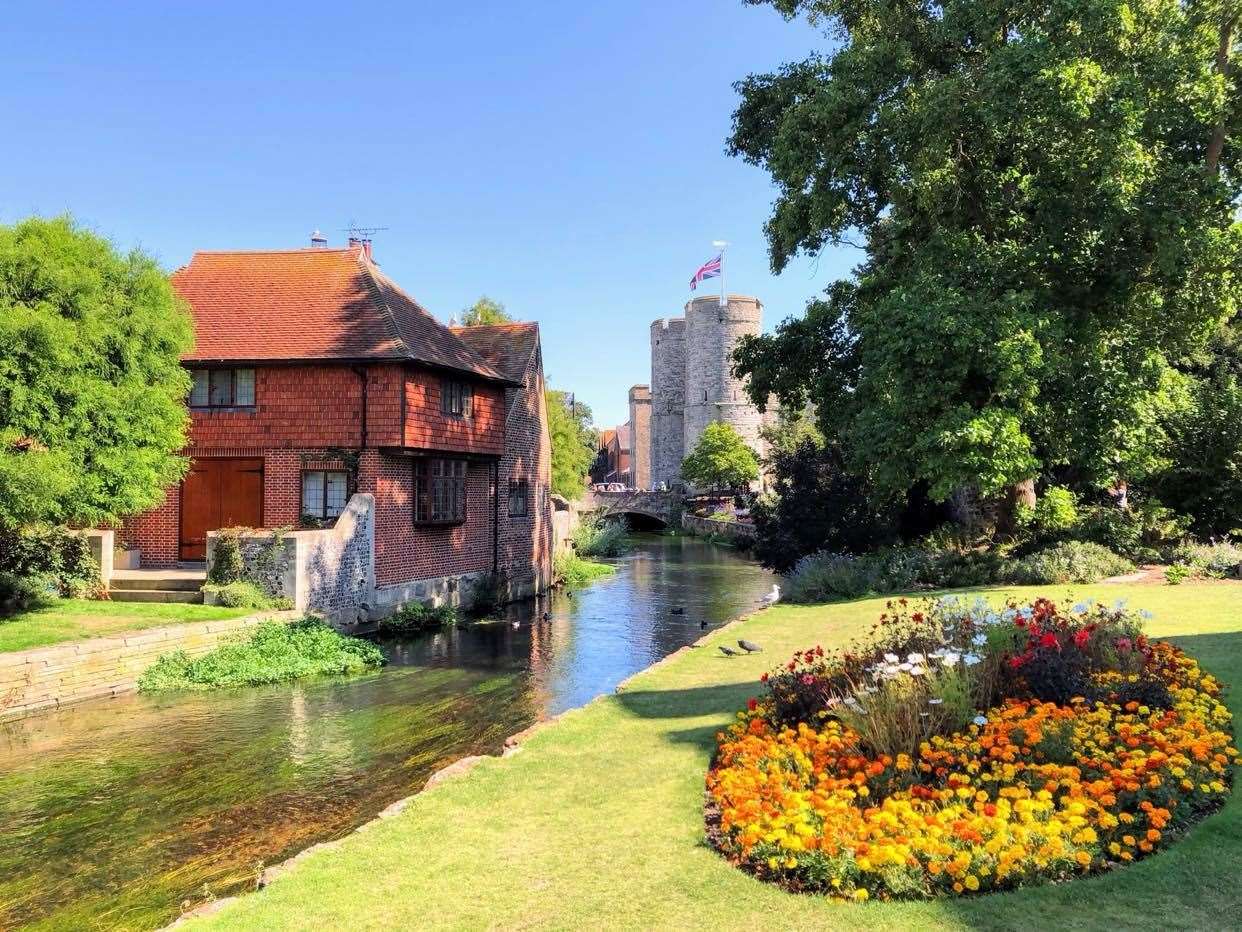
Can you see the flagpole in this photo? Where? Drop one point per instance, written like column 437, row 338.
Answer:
column 721, row 244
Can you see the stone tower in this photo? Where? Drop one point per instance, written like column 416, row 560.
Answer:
column 713, row 393
column 668, row 397
column 640, row 436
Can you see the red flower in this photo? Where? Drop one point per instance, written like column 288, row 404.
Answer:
column 752, row 703
column 764, row 678
column 1081, row 638
column 1049, row 640
column 1123, row 644
column 1015, row 662
column 917, row 616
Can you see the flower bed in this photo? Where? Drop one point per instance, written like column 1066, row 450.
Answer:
column 870, row 772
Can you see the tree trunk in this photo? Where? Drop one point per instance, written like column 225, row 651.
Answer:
column 1216, row 144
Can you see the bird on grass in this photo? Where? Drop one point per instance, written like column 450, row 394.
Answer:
column 729, row 651
column 749, row 646
column 772, row 597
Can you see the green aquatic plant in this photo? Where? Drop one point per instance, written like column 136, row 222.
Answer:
column 273, row 653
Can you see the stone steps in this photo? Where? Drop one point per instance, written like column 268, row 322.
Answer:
column 157, row 595
column 173, row 585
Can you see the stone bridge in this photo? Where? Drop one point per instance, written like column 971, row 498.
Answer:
column 663, row 508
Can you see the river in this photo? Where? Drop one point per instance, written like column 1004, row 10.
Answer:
column 118, row 814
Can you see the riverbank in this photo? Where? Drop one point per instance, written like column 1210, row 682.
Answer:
column 602, row 816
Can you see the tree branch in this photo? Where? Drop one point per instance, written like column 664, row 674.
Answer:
column 1216, row 144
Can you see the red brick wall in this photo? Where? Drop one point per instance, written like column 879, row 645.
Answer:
column 427, row 428
column 295, row 407
column 405, row 551
column 156, row 532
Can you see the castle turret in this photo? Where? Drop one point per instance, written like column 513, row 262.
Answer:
column 712, row 392
column 668, row 391
column 640, row 436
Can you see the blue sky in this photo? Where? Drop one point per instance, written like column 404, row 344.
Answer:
column 566, row 158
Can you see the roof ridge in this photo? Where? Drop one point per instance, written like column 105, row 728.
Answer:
column 313, row 250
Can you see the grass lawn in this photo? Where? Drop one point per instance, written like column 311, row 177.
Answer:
column 75, row 619
column 598, row 821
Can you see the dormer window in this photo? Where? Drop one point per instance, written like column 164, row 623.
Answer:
column 222, row 388
column 456, row 398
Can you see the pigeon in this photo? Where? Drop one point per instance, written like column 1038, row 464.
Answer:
column 729, row 651
column 678, row 611
column 749, row 646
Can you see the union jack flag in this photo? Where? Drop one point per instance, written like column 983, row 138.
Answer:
column 709, row 269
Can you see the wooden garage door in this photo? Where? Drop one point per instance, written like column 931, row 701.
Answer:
column 219, row 493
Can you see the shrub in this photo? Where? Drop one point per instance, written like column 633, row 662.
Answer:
column 273, row 653
column 1210, row 561
column 20, row 594
column 816, row 504
column 1069, row 562
column 1176, row 574
column 595, row 537
column 51, row 558
column 415, row 617
column 1055, row 512
column 227, row 565
column 822, row 577
column 1137, row 532
column 573, row 572
column 242, row 594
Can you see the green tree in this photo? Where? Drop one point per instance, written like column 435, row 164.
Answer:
column 574, row 443
column 1045, row 194
column 484, row 312
column 720, row 460
column 92, row 393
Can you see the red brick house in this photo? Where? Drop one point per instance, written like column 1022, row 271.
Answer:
column 315, row 376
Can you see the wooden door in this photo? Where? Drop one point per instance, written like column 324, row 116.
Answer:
column 219, row 493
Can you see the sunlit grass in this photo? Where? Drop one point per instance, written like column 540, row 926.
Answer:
column 74, row 619
column 598, row 821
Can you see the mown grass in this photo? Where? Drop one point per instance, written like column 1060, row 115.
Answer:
column 597, row 823
column 73, row 619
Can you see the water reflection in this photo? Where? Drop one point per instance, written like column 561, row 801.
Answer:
column 112, row 815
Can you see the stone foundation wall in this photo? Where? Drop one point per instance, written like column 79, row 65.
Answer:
column 732, row 530
column 52, row 677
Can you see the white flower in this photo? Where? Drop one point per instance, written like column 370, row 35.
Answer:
column 834, row 702
column 934, row 701
column 851, row 702
column 1080, row 608
column 917, row 671
column 971, row 659
column 904, row 666
column 916, row 658
column 924, row 714
column 892, row 671
column 980, row 719
column 979, row 640
column 951, row 658
column 892, row 658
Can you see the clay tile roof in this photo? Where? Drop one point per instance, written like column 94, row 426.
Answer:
column 508, row 348
column 623, row 436
column 303, row 304
column 606, row 437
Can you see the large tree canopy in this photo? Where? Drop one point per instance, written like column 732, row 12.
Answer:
column 720, row 460
column 1046, row 195
column 92, row 393
column 574, row 443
